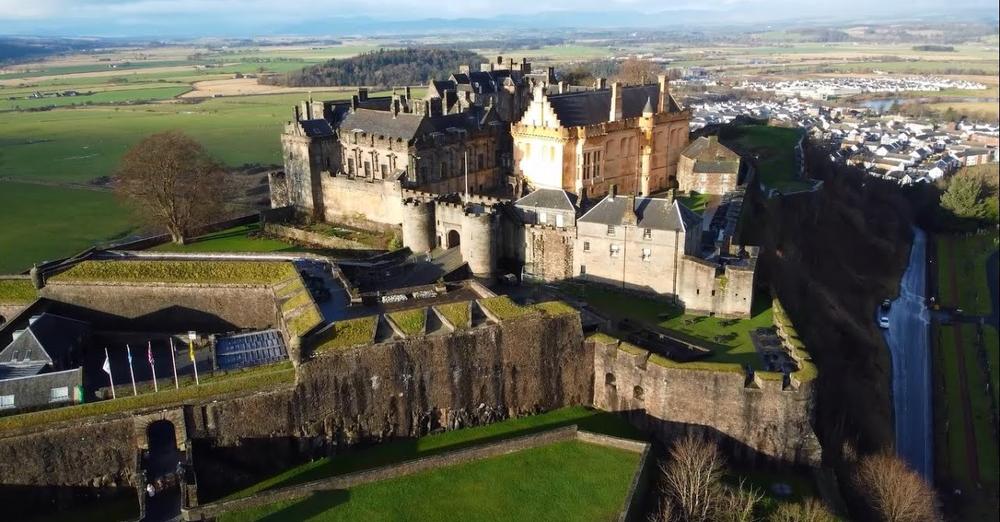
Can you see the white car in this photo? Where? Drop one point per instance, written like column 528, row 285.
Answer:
column 883, row 314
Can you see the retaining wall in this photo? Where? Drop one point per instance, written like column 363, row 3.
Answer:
column 314, row 238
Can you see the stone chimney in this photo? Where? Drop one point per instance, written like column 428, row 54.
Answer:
column 562, row 86
column 406, row 92
column 612, row 190
column 600, row 84
column 525, row 66
column 363, row 93
column 394, row 106
column 499, row 62
column 664, row 102
column 355, row 100
column 629, row 217
column 616, row 102
column 463, row 69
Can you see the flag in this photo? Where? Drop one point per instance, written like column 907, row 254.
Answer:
column 149, row 353
column 107, row 363
column 191, row 350
column 152, row 366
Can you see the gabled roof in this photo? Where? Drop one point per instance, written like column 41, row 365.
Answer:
column 556, row 199
column 316, row 128
column 404, row 126
column 575, row 109
column 49, row 339
column 19, row 370
column 653, row 213
column 709, row 149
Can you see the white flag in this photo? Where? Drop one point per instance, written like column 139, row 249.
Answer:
column 107, row 363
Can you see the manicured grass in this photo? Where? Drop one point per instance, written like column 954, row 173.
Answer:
column 774, row 149
column 218, row 272
column 729, row 339
column 345, row 334
column 408, row 449
column 554, row 308
column 568, row 480
column 991, row 343
column 244, row 381
column 236, row 239
column 298, row 300
column 503, row 308
column 17, row 291
column 412, row 322
column 982, row 409
column 305, row 321
column 950, row 436
column 457, row 313
column 695, row 201
column 967, row 255
column 45, row 223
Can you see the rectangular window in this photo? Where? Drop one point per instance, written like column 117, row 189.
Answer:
column 647, row 253
column 597, row 164
column 611, row 230
column 559, row 220
column 647, row 233
column 542, row 218
column 59, row 394
column 368, row 169
column 587, row 164
column 350, row 166
column 385, row 170
column 6, row 402
column 615, row 250
column 586, row 246
column 583, row 269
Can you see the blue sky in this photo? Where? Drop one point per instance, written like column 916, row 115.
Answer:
column 134, row 17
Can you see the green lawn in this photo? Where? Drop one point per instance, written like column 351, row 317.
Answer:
column 44, row 223
column 17, row 291
column 729, row 340
column 234, row 239
column 968, row 255
column 695, row 201
column 774, row 149
column 408, row 449
column 138, row 95
column 186, row 271
column 568, row 480
column 991, row 343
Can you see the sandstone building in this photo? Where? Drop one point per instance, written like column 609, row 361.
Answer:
column 708, row 167
column 583, row 141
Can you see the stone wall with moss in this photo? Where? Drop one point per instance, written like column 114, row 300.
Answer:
column 754, row 418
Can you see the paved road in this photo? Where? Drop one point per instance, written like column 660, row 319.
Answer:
column 909, row 344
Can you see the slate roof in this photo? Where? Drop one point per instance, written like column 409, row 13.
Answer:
column 407, row 126
column 50, row 339
column 17, row 371
column 709, row 149
column 548, row 198
column 249, row 349
column 653, row 213
column 576, row 109
column 317, row 128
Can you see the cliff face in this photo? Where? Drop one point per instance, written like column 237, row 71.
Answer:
column 831, row 256
column 760, row 422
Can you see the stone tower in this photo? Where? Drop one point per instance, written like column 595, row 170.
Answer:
column 478, row 242
column 418, row 225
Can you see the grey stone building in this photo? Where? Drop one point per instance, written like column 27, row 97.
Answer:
column 42, row 365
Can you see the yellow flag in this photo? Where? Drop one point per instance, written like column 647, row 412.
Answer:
column 191, row 350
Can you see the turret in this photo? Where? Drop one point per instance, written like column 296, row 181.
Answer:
column 418, row 225
column 478, row 246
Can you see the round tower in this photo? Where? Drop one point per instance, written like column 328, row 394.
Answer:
column 478, row 244
column 418, row 225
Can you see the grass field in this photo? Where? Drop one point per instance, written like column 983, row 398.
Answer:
column 991, row 343
column 952, row 434
column 774, row 149
column 41, row 222
column 967, row 256
column 568, row 480
column 106, row 97
column 236, row 239
column 695, row 201
column 729, row 340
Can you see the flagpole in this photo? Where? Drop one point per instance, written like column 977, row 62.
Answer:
column 131, row 371
column 152, row 365
column 173, row 360
column 193, row 361
column 107, row 368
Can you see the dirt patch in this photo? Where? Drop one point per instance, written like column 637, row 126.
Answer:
column 247, row 86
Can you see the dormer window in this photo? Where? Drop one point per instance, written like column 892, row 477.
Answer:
column 611, row 230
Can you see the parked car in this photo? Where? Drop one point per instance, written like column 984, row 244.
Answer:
column 883, row 314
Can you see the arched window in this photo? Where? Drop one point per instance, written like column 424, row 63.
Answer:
column 637, row 393
column 609, row 379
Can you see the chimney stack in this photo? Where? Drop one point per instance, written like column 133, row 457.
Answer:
column 562, row 86
column 616, row 102
column 406, row 91
column 612, row 190
column 600, row 84
column 362, row 93
column 464, row 69
column 664, row 102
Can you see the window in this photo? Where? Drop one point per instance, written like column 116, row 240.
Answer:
column 542, row 218
column 350, row 166
column 597, row 164
column 59, row 394
column 583, row 270
column 637, row 393
column 611, row 230
column 384, row 170
column 647, row 233
column 586, row 246
column 615, row 250
column 559, row 220
column 368, row 169
column 6, row 402
column 647, row 253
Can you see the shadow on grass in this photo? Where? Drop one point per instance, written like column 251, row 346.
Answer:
column 408, row 449
column 311, row 506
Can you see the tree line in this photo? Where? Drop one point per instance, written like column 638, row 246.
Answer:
column 381, row 68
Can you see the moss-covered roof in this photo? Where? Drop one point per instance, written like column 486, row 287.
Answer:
column 205, row 272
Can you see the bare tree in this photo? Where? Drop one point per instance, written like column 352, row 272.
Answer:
column 691, row 478
column 894, row 491
column 170, row 181
column 636, row 71
column 736, row 504
column 809, row 510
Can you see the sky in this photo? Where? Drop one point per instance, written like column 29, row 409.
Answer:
column 249, row 17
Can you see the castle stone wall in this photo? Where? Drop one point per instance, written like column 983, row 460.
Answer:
column 702, row 289
column 356, row 202
column 762, row 421
column 161, row 307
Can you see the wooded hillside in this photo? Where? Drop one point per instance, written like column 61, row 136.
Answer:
column 382, row 68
